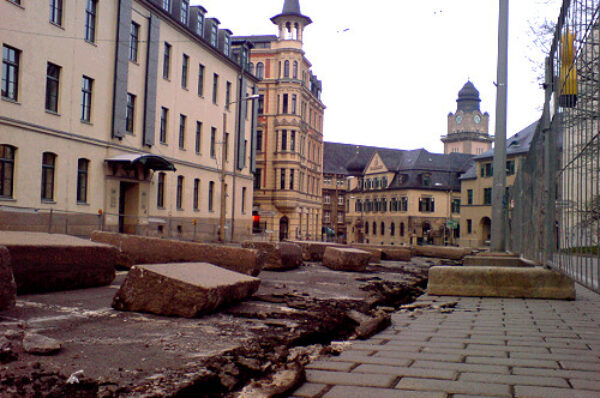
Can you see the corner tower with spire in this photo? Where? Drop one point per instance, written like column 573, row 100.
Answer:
column 468, row 128
column 289, row 143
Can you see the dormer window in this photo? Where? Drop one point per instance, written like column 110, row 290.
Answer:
column 226, row 48
column 384, row 182
column 185, row 6
column 213, row 35
column 376, row 183
column 426, row 180
column 200, row 24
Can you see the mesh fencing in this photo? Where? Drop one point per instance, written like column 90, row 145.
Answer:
column 554, row 212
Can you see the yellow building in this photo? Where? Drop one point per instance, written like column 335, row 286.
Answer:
column 476, row 188
column 398, row 197
column 289, row 145
column 114, row 115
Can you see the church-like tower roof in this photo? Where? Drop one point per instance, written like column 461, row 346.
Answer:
column 291, row 8
column 468, row 98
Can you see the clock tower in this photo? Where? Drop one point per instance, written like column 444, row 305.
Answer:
column 468, row 128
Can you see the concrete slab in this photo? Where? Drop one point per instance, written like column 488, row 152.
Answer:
column 147, row 250
column 509, row 282
column 185, row 289
column 449, row 252
column 346, row 259
column 376, row 252
column 8, row 288
column 495, row 260
column 389, row 253
column 314, row 251
column 53, row 262
column 277, row 256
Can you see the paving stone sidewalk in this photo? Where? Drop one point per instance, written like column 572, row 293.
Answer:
column 482, row 347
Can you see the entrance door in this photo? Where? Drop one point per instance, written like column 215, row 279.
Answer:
column 283, row 228
column 127, row 207
column 486, row 230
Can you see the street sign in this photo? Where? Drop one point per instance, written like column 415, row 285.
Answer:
column 452, row 224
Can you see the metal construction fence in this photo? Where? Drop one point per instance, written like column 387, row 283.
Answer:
column 554, row 212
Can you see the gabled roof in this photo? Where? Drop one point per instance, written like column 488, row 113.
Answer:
column 352, row 159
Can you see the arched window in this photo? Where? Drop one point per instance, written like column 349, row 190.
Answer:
column 286, row 69
column 401, row 229
column 392, row 229
column 295, row 71
column 251, row 68
column 374, row 228
column 48, row 167
column 366, row 228
column 7, row 167
column 382, row 228
column 260, row 70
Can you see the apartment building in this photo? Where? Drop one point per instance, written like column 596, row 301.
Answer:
column 289, row 144
column 476, row 188
column 128, row 115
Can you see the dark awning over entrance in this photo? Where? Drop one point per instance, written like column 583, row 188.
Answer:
column 151, row 162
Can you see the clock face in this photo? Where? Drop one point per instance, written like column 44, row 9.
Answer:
column 477, row 119
column 459, row 119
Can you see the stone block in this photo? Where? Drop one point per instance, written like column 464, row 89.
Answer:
column 391, row 253
column 277, row 256
column 343, row 259
column 376, row 252
column 448, row 252
column 182, row 289
column 314, row 251
column 147, row 250
column 510, row 282
column 8, row 287
column 495, row 260
column 53, row 262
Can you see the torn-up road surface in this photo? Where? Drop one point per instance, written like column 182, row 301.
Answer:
column 109, row 353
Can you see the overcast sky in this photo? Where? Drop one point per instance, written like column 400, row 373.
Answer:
column 391, row 69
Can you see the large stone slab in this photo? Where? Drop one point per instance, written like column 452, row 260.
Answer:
column 448, row 252
column 346, row 259
column 277, row 256
column 147, row 250
column 495, row 260
column 314, row 251
column 8, row 287
column 53, row 262
column 510, row 282
column 183, row 289
column 376, row 252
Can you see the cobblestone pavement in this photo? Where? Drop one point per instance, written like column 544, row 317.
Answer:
column 483, row 347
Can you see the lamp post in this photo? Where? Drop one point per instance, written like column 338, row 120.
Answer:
column 224, row 149
column 499, row 188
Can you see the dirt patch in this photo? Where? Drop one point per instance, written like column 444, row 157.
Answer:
column 261, row 343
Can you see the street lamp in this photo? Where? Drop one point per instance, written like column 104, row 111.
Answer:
column 223, row 172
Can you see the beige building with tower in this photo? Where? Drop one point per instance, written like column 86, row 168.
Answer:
column 289, row 144
column 127, row 115
column 468, row 128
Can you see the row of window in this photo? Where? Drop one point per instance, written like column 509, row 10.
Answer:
column 426, row 205
column 286, row 141
column 375, row 183
column 487, row 169
column 327, row 217
column 392, row 231
column 487, row 196
column 196, row 194
column 11, row 58
column 287, row 181
column 327, row 200
column 48, row 167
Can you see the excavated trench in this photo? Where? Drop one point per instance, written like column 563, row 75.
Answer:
column 299, row 326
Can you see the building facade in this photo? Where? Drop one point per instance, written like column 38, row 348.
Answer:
column 468, row 128
column 129, row 116
column 398, row 197
column 476, row 188
column 334, row 205
column 289, row 144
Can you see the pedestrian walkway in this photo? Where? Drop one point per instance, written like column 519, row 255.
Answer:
column 483, row 347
